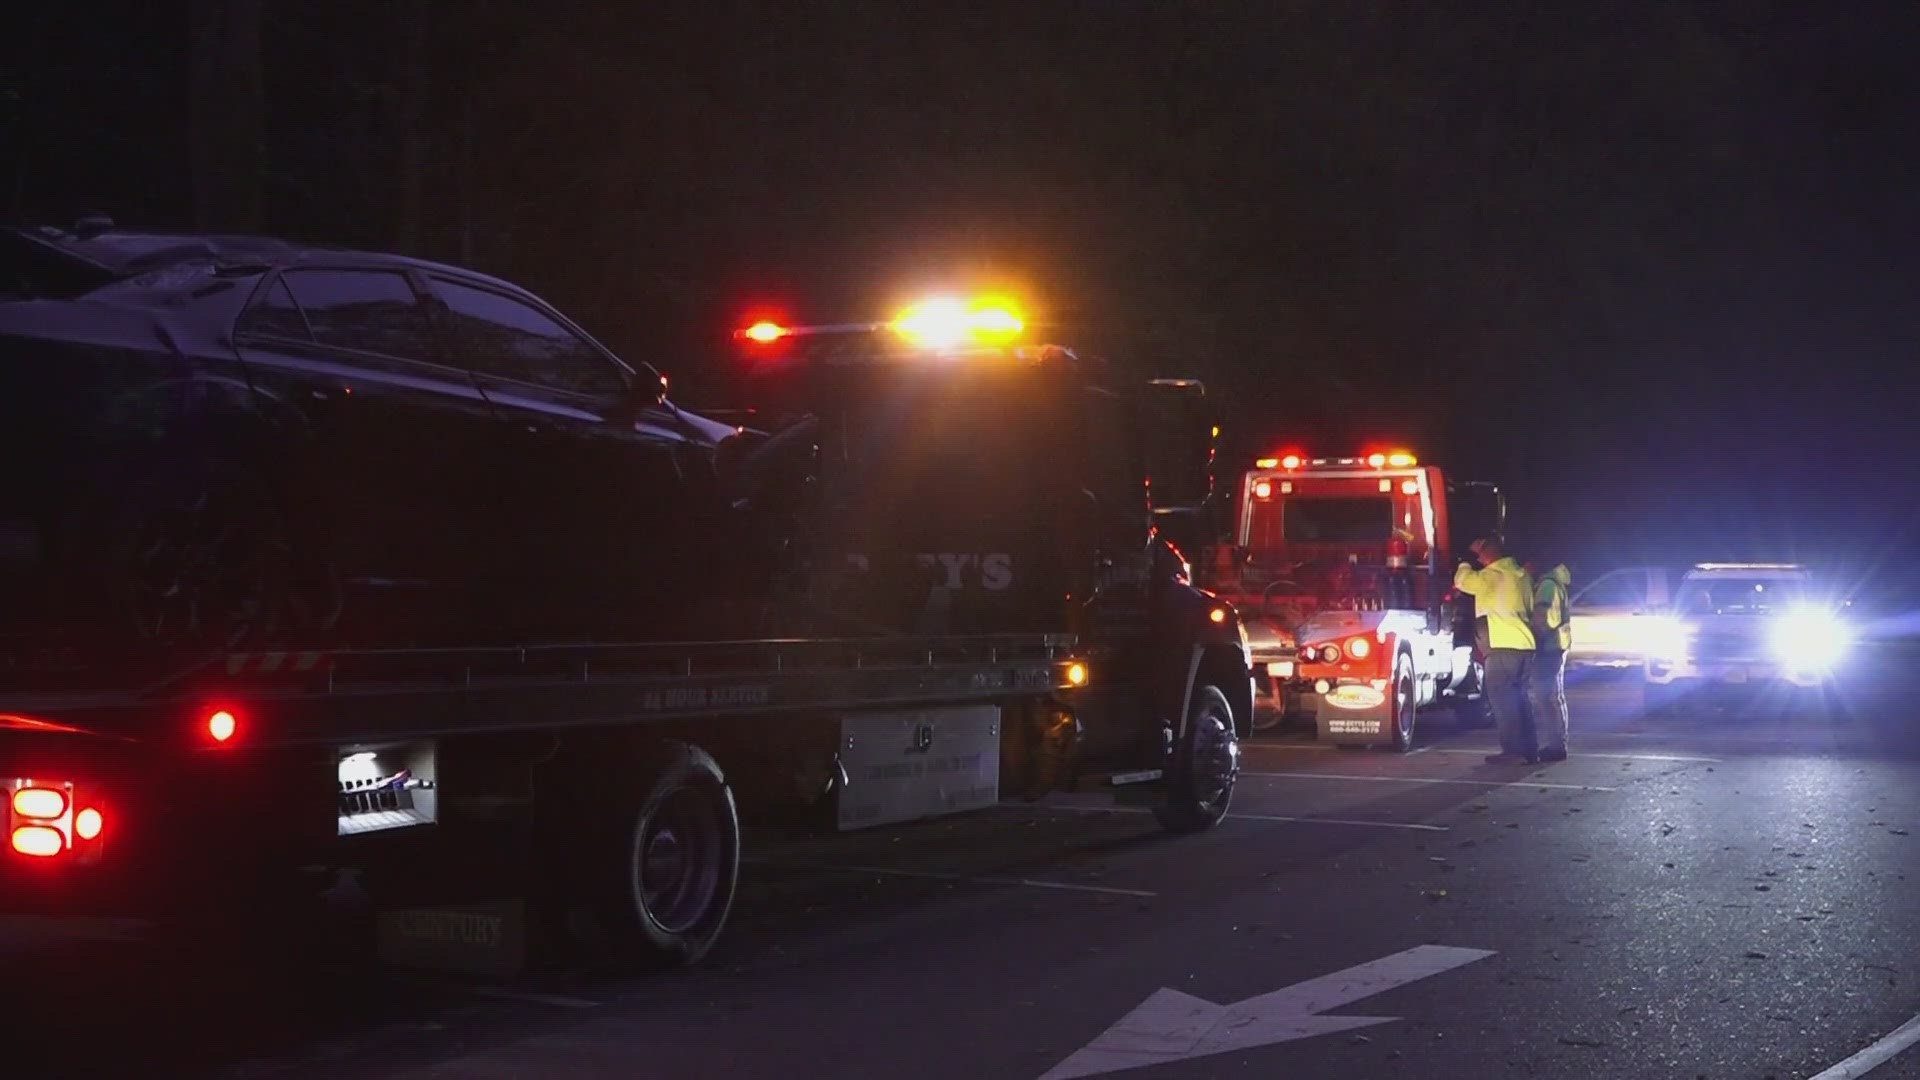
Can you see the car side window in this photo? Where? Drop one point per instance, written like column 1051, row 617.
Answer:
column 372, row 311
column 510, row 339
column 1622, row 588
column 274, row 312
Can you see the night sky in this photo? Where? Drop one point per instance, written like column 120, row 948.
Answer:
column 1652, row 265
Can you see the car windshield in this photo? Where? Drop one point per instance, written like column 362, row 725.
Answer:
column 1739, row 595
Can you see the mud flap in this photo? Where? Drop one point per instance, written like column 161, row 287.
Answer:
column 486, row 938
column 1354, row 715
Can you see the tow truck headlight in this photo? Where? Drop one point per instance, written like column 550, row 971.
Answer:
column 1809, row 639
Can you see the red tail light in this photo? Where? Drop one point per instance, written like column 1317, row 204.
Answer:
column 88, row 823
column 222, row 726
column 42, row 803
column 39, row 841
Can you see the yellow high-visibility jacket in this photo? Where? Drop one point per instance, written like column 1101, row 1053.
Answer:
column 1551, row 609
column 1502, row 595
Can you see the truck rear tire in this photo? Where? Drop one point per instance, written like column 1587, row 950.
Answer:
column 673, row 868
column 1205, row 765
column 1405, row 702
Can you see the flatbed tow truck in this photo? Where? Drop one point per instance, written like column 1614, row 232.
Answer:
column 499, row 803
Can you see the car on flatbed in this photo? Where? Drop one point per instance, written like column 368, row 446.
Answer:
column 239, row 442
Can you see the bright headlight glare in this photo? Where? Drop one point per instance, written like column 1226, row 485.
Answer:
column 1667, row 639
column 1809, row 639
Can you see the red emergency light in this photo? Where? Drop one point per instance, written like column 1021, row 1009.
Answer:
column 1379, row 459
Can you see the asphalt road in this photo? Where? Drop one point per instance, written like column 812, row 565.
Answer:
column 1733, row 891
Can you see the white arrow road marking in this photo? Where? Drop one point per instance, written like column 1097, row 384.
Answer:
column 1876, row 1055
column 1172, row 1026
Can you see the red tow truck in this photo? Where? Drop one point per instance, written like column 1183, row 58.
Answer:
column 1340, row 566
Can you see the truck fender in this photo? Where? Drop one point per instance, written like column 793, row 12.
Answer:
column 1223, row 666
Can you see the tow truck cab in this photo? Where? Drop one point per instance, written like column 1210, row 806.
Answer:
column 1339, row 566
column 996, row 488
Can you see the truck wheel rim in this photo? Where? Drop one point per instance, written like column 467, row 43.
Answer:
column 1215, row 761
column 678, row 861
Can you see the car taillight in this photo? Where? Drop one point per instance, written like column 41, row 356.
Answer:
column 41, row 803
column 88, row 823
column 49, row 818
column 39, row 841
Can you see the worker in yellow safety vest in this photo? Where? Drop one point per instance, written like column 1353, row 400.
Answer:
column 1547, row 687
column 1503, row 597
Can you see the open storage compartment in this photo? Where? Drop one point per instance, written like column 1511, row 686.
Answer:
column 386, row 786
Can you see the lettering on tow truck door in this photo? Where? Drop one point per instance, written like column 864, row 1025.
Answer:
column 994, row 570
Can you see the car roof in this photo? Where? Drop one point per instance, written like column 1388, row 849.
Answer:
column 124, row 253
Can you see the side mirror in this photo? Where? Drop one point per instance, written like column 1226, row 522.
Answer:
column 646, row 392
column 649, row 390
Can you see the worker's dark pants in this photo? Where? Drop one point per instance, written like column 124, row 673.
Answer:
column 1507, row 671
column 1547, row 694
